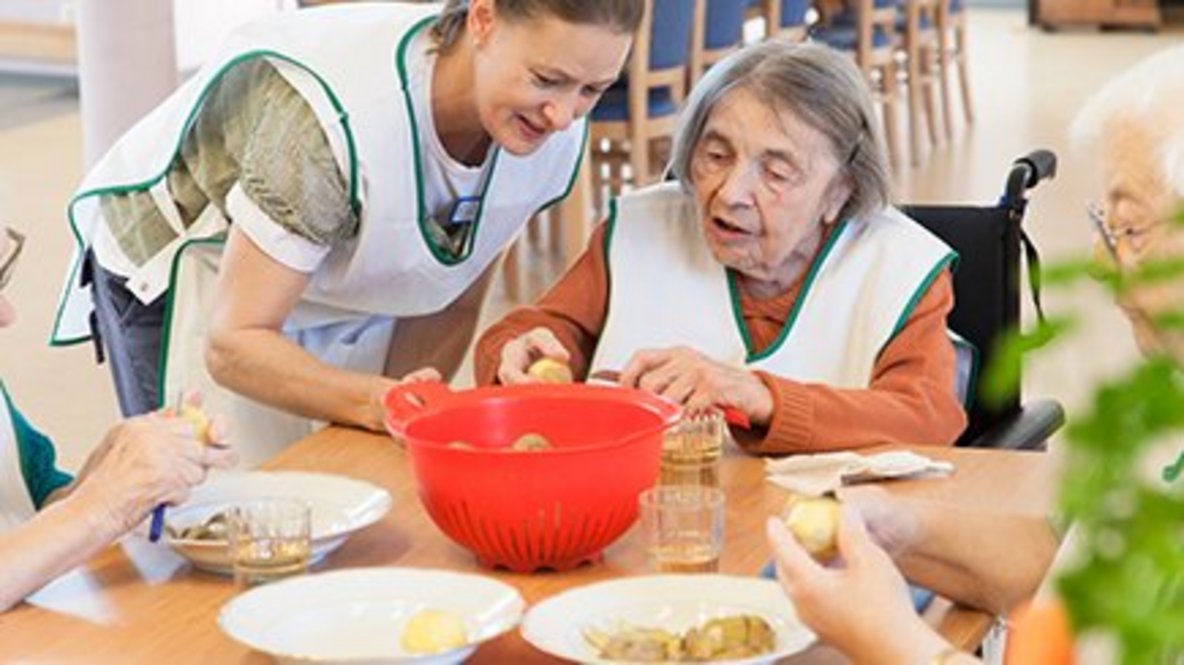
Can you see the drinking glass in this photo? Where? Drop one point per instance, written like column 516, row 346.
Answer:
column 683, row 527
column 691, row 450
column 269, row 539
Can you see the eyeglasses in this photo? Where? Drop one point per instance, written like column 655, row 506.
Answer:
column 1136, row 237
column 8, row 263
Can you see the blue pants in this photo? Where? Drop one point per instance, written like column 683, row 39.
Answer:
column 128, row 333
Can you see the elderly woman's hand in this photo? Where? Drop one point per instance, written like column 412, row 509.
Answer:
column 145, row 461
column 519, row 353
column 699, row 383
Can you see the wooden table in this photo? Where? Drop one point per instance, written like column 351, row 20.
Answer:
column 174, row 621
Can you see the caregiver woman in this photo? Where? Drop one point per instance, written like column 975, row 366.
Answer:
column 319, row 209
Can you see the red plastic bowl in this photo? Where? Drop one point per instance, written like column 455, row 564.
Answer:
column 523, row 511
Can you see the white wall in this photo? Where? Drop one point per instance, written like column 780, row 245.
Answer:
column 36, row 11
column 201, row 24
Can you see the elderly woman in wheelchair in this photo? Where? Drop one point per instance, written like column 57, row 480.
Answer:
column 770, row 277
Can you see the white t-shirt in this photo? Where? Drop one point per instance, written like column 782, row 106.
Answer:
column 445, row 180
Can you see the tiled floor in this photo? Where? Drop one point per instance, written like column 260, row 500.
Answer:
column 1027, row 85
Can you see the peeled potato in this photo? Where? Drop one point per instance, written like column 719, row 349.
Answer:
column 199, row 420
column 549, row 370
column 531, row 441
column 433, row 631
column 814, row 521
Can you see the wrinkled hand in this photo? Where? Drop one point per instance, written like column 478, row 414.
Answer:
column 148, row 460
column 520, row 352
column 862, row 607
column 699, row 383
column 892, row 522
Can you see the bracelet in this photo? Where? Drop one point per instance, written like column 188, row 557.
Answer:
column 945, row 655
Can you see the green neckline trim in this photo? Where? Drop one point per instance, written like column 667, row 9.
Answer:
column 610, row 225
column 355, row 204
column 162, row 362
column 949, row 260
column 439, row 253
column 575, row 173
column 811, row 276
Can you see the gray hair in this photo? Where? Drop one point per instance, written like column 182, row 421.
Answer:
column 813, row 82
column 1150, row 94
column 622, row 16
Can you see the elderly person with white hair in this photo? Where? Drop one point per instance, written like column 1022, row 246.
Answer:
column 1136, row 125
column 772, row 277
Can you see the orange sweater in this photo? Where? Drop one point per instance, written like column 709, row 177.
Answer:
column 910, row 398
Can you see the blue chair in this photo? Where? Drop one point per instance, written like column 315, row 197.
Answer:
column 720, row 33
column 643, row 106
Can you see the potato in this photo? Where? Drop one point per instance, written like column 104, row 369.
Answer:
column 814, row 521
column 531, row 442
column 549, row 370
column 433, row 631
column 199, row 420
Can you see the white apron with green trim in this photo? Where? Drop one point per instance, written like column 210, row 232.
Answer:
column 16, row 506
column 359, row 57
column 666, row 289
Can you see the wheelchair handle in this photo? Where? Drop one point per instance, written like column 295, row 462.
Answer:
column 1027, row 172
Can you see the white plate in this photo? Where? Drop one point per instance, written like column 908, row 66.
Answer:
column 357, row 616
column 339, row 505
column 673, row 602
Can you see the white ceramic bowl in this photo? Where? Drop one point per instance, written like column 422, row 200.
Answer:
column 339, row 506
column 672, row 602
column 357, row 616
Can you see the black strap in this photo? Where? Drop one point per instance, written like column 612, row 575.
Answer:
column 86, row 277
column 1033, row 258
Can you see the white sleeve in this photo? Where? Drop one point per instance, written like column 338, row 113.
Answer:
column 290, row 249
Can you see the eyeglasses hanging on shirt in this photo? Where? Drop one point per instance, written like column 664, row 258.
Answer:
column 455, row 231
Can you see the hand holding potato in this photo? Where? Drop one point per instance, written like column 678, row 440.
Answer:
column 860, row 602
column 521, row 355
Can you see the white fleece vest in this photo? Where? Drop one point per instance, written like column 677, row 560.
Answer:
column 667, row 289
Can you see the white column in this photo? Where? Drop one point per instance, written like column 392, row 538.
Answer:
column 127, row 64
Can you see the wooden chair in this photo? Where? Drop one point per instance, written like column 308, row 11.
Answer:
column 639, row 113
column 718, row 32
column 918, row 28
column 866, row 32
column 788, row 19
column 951, row 22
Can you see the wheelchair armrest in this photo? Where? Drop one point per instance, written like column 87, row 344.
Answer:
column 1028, row 429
